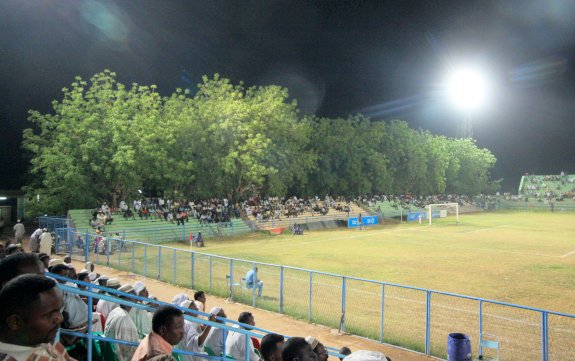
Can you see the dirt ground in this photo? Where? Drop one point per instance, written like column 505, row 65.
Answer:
column 265, row 319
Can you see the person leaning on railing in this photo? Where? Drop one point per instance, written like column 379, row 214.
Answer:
column 167, row 331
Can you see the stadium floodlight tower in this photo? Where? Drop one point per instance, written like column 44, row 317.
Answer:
column 467, row 90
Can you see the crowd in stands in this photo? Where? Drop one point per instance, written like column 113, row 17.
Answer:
column 548, row 188
column 36, row 317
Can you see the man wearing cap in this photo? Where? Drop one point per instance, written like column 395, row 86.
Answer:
column 46, row 242
column 193, row 339
column 30, row 318
column 215, row 341
column 318, row 348
column 18, row 233
column 105, row 307
column 142, row 318
column 236, row 342
column 119, row 325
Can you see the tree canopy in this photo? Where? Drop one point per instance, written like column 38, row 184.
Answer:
column 104, row 140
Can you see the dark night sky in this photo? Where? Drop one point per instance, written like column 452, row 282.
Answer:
column 383, row 58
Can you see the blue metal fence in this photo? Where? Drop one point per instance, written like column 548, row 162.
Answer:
column 113, row 295
column 414, row 318
column 52, row 223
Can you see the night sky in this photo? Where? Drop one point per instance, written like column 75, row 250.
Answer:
column 386, row 59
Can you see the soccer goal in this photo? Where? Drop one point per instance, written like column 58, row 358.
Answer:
column 442, row 210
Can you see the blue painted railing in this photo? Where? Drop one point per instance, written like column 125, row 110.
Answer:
column 409, row 317
column 114, row 295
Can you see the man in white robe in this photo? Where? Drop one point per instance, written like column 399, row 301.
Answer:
column 193, row 340
column 142, row 318
column 215, row 340
column 119, row 325
column 236, row 342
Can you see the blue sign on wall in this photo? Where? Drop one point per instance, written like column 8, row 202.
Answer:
column 366, row 220
column 414, row 216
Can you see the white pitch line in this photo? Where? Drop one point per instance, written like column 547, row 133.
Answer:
column 567, row 254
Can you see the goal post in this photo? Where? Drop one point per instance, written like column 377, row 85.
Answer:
column 442, row 210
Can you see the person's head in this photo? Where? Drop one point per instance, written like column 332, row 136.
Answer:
column 30, row 307
column 297, row 349
column 168, row 322
column 344, row 351
column 67, row 259
column 200, row 296
column 271, row 346
column 83, row 277
column 140, row 289
column 18, row 264
column 247, row 318
column 321, row 352
column 190, row 305
column 13, row 249
column 61, row 270
column 129, row 289
column 45, row 259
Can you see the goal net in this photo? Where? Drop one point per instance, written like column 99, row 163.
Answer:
column 442, row 210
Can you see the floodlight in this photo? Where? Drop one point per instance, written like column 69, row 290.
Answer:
column 467, row 88
column 3, row 198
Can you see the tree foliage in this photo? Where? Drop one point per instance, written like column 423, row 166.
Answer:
column 105, row 141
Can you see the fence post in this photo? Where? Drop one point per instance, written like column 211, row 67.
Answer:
column 192, row 269
column 145, row 258
column 174, row 277
column 231, row 279
column 70, row 234
column 89, row 331
column 120, row 254
column 382, row 321
column 255, row 285
column 544, row 337
column 210, row 274
column 428, row 324
column 281, row 289
column 87, row 247
column 159, row 262
column 480, row 326
column 343, row 296
column 310, row 293
column 133, row 256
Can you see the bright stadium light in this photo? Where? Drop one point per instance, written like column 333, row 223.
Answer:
column 467, row 88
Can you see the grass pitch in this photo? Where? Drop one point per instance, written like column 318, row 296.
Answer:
column 526, row 258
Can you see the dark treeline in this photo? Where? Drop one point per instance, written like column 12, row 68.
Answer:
column 105, row 141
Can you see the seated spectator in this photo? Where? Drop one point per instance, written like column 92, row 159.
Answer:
column 30, row 318
column 194, row 336
column 18, row 264
column 167, row 331
column 272, row 345
column 45, row 259
column 198, row 241
column 142, row 318
column 318, row 348
column 344, row 351
column 252, row 280
column 214, row 343
column 119, row 325
column 105, row 307
column 297, row 349
column 13, row 249
column 179, row 298
column 363, row 355
column 200, row 300
column 236, row 342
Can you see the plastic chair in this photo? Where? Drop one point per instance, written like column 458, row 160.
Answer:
column 489, row 343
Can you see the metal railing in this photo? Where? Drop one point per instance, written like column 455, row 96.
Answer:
column 410, row 317
column 87, row 290
column 52, row 223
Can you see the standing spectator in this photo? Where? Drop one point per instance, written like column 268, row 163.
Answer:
column 34, row 243
column 46, row 242
column 167, row 331
column 30, row 317
column 18, row 233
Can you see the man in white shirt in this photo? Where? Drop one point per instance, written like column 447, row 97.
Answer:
column 105, row 307
column 142, row 318
column 215, row 341
column 236, row 342
column 193, row 340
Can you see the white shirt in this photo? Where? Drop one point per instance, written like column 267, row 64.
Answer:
column 236, row 346
column 76, row 309
column 105, row 307
column 215, row 340
column 119, row 325
column 143, row 321
column 190, row 341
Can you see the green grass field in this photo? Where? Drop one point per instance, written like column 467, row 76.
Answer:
column 525, row 258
